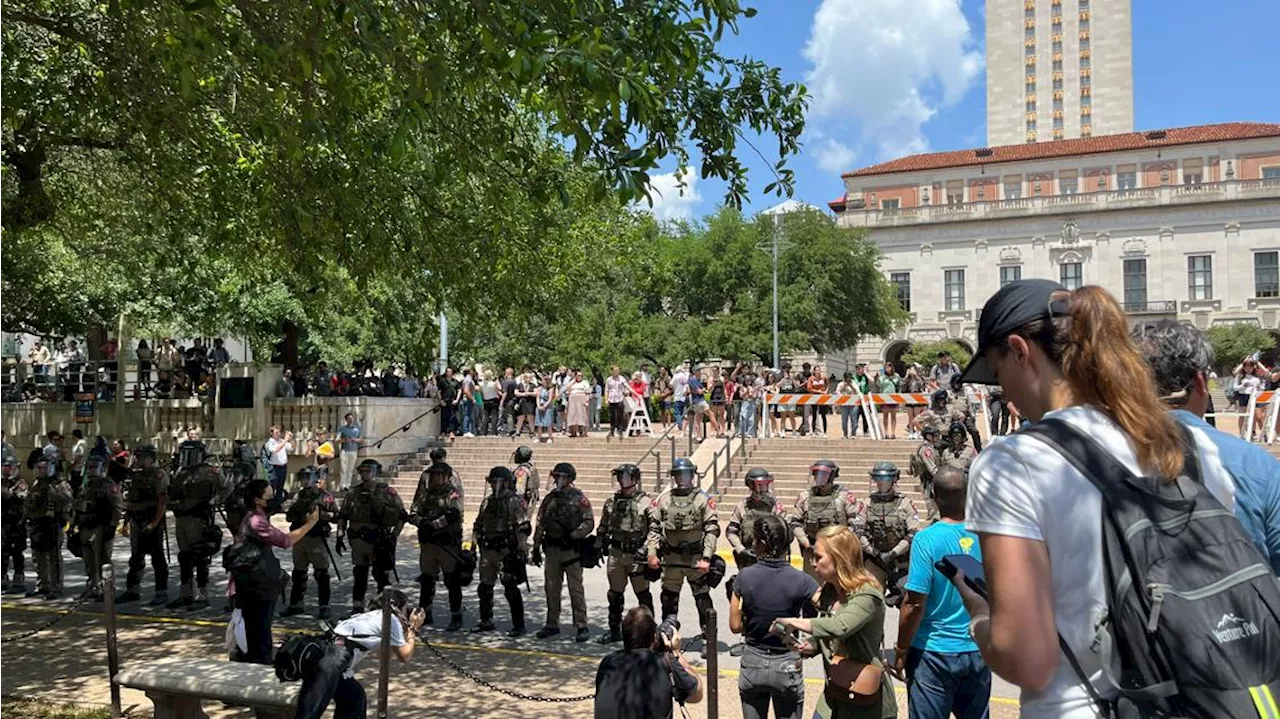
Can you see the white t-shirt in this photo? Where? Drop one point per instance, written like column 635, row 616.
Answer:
column 279, row 450
column 1019, row 487
column 680, row 386
column 367, row 628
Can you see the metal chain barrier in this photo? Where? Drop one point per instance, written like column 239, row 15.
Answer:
column 511, row 693
column 47, row 625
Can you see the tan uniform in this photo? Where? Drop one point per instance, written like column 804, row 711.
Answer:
column 889, row 525
column 437, row 512
column 99, row 507
column 47, row 507
column 147, row 485
column 373, row 514
column 191, row 495
column 813, row 511
column 684, row 529
column 624, row 530
column 742, row 526
column 923, row 464
column 501, row 530
column 564, row 520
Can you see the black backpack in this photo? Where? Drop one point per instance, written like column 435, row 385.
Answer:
column 299, row 654
column 1194, row 610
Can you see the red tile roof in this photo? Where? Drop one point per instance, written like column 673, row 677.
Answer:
column 838, row 204
column 1078, row 146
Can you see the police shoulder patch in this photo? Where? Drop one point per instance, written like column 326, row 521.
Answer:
column 584, row 502
column 654, row 503
column 454, row 495
column 392, row 491
column 711, row 502
column 927, row 453
column 114, row 488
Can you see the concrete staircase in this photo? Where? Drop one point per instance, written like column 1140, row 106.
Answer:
column 789, row 460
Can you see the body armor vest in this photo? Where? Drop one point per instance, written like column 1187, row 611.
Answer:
column 628, row 524
column 497, row 523
column 372, row 505
column 562, row 513
column 41, row 502
column 308, row 499
column 11, row 508
column 823, row 510
column 885, row 524
column 93, row 504
column 144, row 492
column 192, row 492
column 753, row 509
column 684, row 513
column 922, row 466
column 436, row 503
column 959, row 461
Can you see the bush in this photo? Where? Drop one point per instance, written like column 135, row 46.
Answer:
column 925, row 354
column 1233, row 342
column 34, row 709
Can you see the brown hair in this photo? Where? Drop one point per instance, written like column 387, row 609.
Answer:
column 1093, row 349
column 846, row 553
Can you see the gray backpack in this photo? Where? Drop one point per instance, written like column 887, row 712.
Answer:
column 1194, row 617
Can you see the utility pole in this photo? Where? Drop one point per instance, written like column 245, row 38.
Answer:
column 776, row 220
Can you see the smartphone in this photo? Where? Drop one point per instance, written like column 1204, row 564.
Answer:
column 974, row 576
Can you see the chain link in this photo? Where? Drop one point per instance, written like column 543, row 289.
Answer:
column 49, row 624
column 509, row 692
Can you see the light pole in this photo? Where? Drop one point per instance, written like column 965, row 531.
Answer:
column 778, row 243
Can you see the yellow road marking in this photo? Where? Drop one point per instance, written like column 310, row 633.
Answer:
column 37, row 609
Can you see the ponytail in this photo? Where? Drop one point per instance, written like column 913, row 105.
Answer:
column 1093, row 349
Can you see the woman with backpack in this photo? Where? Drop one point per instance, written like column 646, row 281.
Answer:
column 255, row 586
column 1066, row 359
column 333, row 678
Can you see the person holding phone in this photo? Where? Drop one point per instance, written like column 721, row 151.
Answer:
column 649, row 673
column 934, row 654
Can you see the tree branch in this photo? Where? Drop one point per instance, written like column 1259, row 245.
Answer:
column 62, row 28
column 89, row 142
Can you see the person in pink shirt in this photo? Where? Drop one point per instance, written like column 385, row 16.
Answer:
column 254, row 593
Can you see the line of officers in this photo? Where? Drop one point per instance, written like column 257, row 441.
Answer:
column 670, row 537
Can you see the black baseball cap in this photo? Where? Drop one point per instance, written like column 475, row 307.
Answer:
column 1011, row 307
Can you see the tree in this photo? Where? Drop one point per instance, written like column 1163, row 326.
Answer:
column 1234, row 341
column 925, row 354
column 283, row 150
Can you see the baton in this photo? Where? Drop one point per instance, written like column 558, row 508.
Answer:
column 332, row 560
column 164, row 526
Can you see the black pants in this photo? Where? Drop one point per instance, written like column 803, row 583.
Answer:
column 258, row 614
column 327, row 684
column 446, row 418
column 279, row 473
column 617, row 417
column 489, row 424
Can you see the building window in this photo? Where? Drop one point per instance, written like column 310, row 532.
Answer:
column 954, row 285
column 955, row 196
column 1200, row 277
column 1271, row 173
column 1135, row 285
column 902, row 280
column 1010, row 273
column 892, row 204
column 1192, row 178
column 1126, row 180
column 1012, row 190
column 1068, row 186
column 1071, row 274
column 1266, row 274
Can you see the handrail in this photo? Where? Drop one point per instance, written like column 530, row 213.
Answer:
column 714, row 469
column 407, row 425
column 657, row 454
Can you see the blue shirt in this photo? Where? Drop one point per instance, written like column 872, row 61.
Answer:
column 1257, row 478
column 945, row 625
column 349, row 433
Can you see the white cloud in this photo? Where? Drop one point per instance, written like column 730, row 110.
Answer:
column 888, row 65
column 835, row 156
column 669, row 201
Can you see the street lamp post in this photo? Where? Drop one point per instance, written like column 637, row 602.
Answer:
column 778, row 243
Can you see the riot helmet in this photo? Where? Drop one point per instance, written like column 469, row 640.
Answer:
column 522, row 454
column 957, row 435
column 930, row 433
column 884, row 475
column 502, row 480
column 956, row 384
column 191, row 454
column 563, row 474
column 684, row 473
column 145, row 454
column 438, row 454
column 628, row 477
column 760, row 482
column 95, row 466
column 369, row 470
column 825, row 473
column 308, row 476
column 938, row 400
column 11, row 468
column 439, row 474
column 44, row 468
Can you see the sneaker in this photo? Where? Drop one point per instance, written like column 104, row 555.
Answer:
column 484, row 627
column 468, row 434
column 609, row 637
column 161, row 598
column 455, row 623
column 517, row 632
column 545, row 632
column 129, row 595
column 582, row 635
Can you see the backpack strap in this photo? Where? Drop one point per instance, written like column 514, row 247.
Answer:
column 1096, row 463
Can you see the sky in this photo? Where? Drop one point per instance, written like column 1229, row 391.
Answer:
column 894, row 77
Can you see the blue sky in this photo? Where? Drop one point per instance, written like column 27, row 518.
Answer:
column 892, row 77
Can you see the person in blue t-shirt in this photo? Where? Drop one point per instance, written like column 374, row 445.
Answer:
column 1180, row 355
column 943, row 670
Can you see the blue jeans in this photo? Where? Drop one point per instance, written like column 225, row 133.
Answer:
column 939, row 684
column 279, row 473
column 747, row 418
column 767, row 678
column 468, row 416
column 680, row 405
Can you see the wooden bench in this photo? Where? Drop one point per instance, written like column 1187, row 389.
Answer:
column 177, row 687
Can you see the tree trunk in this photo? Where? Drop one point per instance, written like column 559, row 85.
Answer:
column 287, row 351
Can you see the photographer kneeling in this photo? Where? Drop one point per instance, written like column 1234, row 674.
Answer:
column 334, row 676
column 641, row 680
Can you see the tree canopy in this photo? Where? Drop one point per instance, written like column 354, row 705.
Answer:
column 925, row 354
column 239, row 164
column 1234, row 341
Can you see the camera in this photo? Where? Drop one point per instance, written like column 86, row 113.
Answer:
column 670, row 625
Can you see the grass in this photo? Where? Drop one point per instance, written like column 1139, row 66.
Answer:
column 35, row 709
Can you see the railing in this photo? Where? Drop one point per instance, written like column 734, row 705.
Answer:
column 1152, row 307
column 1083, row 201
column 656, row 452
column 23, row 382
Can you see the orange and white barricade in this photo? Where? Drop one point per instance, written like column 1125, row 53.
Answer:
column 1271, row 399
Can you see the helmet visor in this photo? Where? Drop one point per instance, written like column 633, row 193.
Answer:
column 10, row 470
column 367, row 471
column 626, row 478
column 821, row 475
column 96, row 466
column 683, row 477
column 562, row 480
column 883, row 482
column 762, row 485
column 189, row 457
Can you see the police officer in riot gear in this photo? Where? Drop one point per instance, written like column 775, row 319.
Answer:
column 191, row 495
column 742, row 523
column 98, row 509
column 373, row 514
column 501, row 530
column 436, row 511
column 244, row 467
column 926, row 460
column 683, row 531
column 565, row 519
column 312, row 551
column 890, row 522
column 826, row 503
column 958, row 410
column 527, row 480
column 47, row 508
column 145, row 499
column 14, row 532
column 956, row 453
column 624, row 530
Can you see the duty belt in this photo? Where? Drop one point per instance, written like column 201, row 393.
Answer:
column 500, row 541
column 627, row 545
column 562, row 542
column 684, row 548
